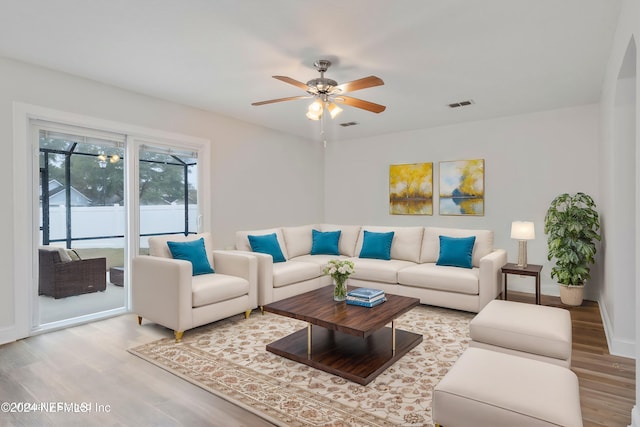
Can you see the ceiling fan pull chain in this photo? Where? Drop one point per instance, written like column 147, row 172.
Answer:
column 324, row 140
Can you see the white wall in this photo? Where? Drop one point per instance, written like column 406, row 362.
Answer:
column 620, row 315
column 260, row 177
column 529, row 159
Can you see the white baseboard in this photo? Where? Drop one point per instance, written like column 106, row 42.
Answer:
column 617, row 346
column 8, row 334
column 635, row 417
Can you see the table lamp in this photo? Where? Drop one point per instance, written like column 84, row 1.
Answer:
column 522, row 231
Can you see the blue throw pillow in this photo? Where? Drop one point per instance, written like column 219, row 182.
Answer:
column 456, row 251
column 267, row 244
column 376, row 245
column 194, row 252
column 325, row 243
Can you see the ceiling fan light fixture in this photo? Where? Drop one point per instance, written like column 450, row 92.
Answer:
column 312, row 116
column 334, row 110
column 316, row 107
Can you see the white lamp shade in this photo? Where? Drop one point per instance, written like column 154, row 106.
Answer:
column 334, row 110
column 522, row 230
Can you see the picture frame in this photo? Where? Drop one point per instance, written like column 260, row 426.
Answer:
column 411, row 189
column 461, row 187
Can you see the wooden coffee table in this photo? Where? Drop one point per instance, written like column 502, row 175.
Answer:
column 349, row 341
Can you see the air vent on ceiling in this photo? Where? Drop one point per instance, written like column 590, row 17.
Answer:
column 461, row 103
column 347, row 124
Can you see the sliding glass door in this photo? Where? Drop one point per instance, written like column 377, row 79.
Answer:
column 168, row 192
column 82, row 218
column 97, row 196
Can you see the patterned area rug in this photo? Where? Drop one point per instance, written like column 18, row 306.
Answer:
column 228, row 358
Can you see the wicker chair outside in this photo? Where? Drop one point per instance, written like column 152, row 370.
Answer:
column 61, row 279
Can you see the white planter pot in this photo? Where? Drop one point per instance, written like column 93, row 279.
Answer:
column 571, row 295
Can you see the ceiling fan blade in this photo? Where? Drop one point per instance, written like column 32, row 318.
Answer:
column 291, row 81
column 359, row 103
column 291, row 98
column 362, row 83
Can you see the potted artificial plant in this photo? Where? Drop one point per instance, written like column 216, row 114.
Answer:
column 571, row 225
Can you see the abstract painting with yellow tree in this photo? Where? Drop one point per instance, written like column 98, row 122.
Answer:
column 411, row 189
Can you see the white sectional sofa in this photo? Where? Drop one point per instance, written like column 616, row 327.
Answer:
column 412, row 269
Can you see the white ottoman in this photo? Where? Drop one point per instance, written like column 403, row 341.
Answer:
column 534, row 331
column 487, row 388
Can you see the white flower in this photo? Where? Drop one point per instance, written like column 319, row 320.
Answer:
column 339, row 269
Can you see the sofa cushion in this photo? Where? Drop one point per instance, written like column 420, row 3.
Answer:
column 431, row 243
column 376, row 245
column 325, row 242
column 450, row 279
column 158, row 244
column 286, row 273
column 242, row 239
column 211, row 288
column 348, row 237
column 298, row 240
column 456, row 251
column 376, row 271
column 317, row 259
column 267, row 244
column 194, row 252
column 406, row 244
column 62, row 252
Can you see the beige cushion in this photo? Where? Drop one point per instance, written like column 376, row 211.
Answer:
column 299, row 240
column 242, row 239
column 405, row 245
column 321, row 260
column 528, row 328
column 211, row 288
column 62, row 252
column 487, row 388
column 286, row 273
column 442, row 278
column 377, row 270
column 348, row 237
column 64, row 255
column 158, row 244
column 431, row 243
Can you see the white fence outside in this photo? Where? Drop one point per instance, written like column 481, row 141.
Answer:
column 99, row 221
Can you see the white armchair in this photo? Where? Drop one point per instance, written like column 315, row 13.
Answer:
column 164, row 291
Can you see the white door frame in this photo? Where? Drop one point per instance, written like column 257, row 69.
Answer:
column 25, row 199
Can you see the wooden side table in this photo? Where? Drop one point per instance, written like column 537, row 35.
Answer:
column 529, row 270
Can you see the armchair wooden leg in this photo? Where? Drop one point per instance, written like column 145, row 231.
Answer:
column 139, row 320
column 247, row 313
column 178, row 335
column 262, row 309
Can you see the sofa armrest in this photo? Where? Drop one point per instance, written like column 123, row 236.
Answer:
column 239, row 264
column 161, row 291
column 265, row 276
column 490, row 284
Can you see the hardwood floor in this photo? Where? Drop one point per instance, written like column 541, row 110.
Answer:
column 89, row 364
column 607, row 383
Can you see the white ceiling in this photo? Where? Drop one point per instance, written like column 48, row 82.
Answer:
column 509, row 56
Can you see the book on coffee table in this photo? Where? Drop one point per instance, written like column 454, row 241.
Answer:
column 366, row 304
column 374, row 299
column 365, row 293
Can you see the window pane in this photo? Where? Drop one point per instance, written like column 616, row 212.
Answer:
column 168, row 193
